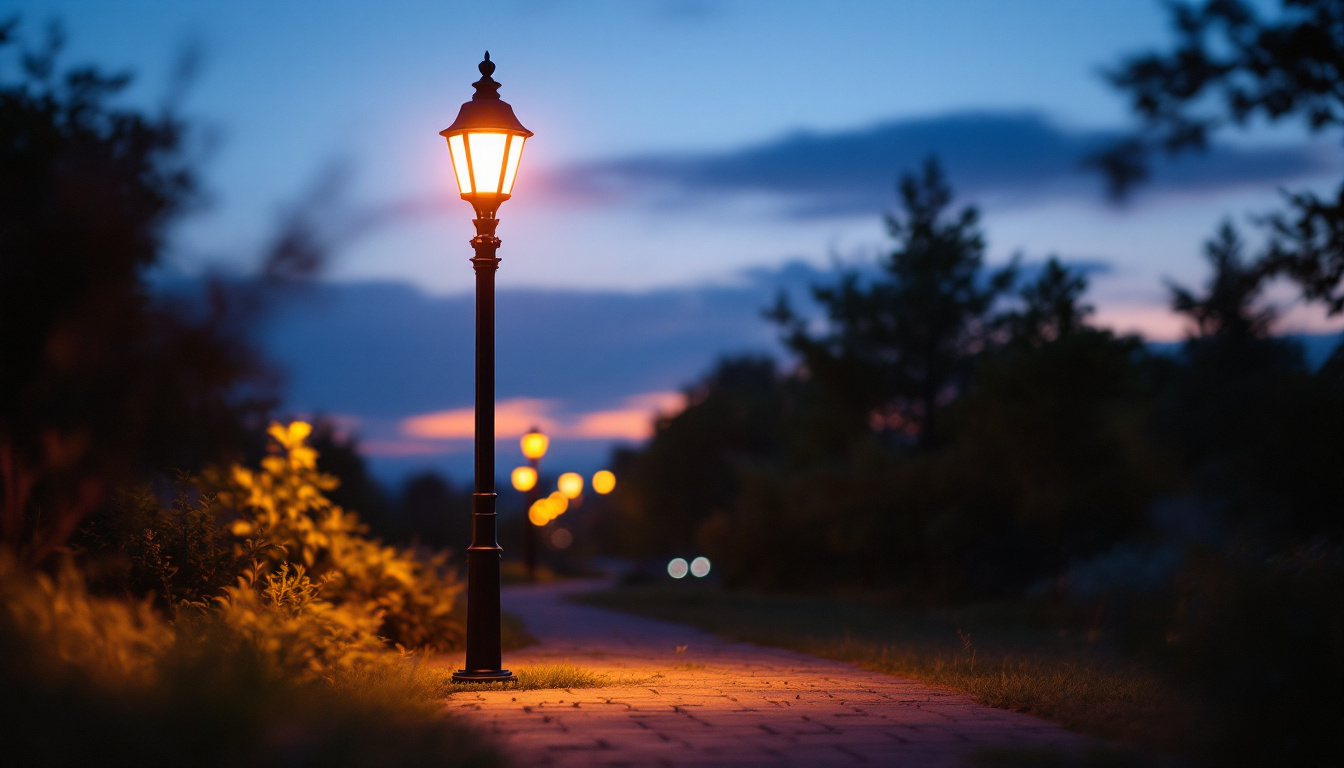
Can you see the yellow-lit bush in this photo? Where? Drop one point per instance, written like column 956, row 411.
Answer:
column 297, row 634
column 113, row 643
column 269, row 676
column 284, row 517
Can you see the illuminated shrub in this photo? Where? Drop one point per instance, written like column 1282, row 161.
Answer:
column 284, row 517
column 52, row 622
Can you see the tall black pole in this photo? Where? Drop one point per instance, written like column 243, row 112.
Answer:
column 530, row 530
column 484, row 657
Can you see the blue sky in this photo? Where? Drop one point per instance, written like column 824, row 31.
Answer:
column 681, row 147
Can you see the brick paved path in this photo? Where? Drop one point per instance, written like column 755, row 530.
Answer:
column 719, row 703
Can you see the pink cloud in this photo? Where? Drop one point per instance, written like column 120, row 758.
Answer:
column 513, row 417
column 1153, row 321
column 633, row 422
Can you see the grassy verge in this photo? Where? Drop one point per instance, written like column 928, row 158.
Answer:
column 999, row 654
column 539, row 676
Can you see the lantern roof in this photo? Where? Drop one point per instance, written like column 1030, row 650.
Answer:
column 486, row 111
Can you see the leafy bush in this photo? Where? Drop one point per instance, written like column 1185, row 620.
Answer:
column 268, row 676
column 284, row 517
column 296, row 633
column 180, row 554
column 53, row 623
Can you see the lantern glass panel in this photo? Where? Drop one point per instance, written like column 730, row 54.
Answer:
column 457, row 145
column 511, row 171
column 487, row 160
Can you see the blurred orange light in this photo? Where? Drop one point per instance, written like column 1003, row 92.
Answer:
column 604, row 482
column 570, row 484
column 534, row 444
column 538, row 515
column 524, row 478
column 562, row 538
column 560, row 502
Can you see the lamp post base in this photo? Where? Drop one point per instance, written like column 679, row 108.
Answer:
column 483, row 676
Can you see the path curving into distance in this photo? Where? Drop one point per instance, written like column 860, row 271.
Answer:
column 721, row 703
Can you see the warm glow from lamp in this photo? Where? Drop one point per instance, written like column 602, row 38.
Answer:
column 539, row 515
column 570, row 484
column 604, row 482
column 524, row 478
column 534, row 444
column 560, row 502
column 486, row 143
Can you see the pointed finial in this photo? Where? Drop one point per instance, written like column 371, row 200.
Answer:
column 486, row 88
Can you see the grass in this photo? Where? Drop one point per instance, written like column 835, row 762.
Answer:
column 539, row 676
column 1000, row 654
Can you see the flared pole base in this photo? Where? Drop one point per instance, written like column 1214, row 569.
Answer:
column 483, row 676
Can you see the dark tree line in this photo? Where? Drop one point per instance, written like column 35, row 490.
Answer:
column 100, row 381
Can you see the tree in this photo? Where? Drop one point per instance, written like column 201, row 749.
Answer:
column 99, row 380
column 1259, row 433
column 1227, row 310
column 688, row 471
column 898, row 348
column 1229, row 67
column 1052, row 307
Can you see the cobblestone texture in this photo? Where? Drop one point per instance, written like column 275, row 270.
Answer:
column 682, row 697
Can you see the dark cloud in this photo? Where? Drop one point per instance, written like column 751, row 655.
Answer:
column 1000, row 156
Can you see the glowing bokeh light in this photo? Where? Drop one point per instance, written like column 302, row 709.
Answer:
column 700, row 567
column 560, row 501
column 676, row 568
column 604, row 482
column 524, row 478
column 539, row 513
column 534, row 444
column 570, row 484
column 561, row 538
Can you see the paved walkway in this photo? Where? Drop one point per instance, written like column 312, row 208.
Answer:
column 686, row 698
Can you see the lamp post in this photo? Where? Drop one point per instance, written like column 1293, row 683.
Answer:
column 534, row 445
column 486, row 143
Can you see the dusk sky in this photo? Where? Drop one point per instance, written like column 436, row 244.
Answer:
column 690, row 158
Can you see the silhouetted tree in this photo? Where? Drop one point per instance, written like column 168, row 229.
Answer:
column 434, row 512
column 688, row 470
column 1052, row 307
column 899, row 347
column 1262, row 435
column 1227, row 310
column 1231, row 66
column 99, row 380
column 338, row 455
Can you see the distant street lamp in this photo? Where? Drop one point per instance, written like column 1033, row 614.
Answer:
column 486, row 143
column 604, row 481
column 534, row 445
column 570, row 484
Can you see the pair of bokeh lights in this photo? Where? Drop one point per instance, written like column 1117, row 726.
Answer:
column 677, row 567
